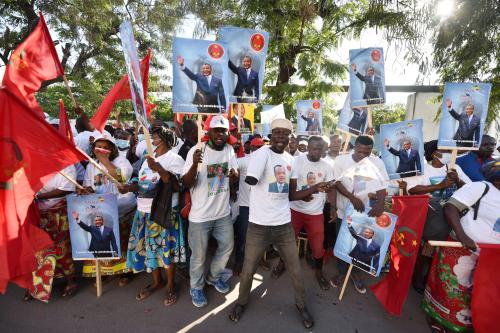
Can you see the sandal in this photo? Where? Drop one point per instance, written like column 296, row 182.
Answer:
column 146, row 292
column 171, row 298
column 323, row 284
column 236, row 312
column 307, row 320
column 70, row 290
column 124, row 279
column 278, row 270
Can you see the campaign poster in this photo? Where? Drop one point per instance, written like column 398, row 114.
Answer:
column 363, row 241
column 247, row 59
column 268, row 114
column 367, row 77
column 402, row 148
column 134, row 72
column 93, row 226
column 200, row 76
column 352, row 120
column 246, row 113
column 309, row 117
column 463, row 115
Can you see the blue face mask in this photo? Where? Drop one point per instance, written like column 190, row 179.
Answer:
column 140, row 137
column 122, row 144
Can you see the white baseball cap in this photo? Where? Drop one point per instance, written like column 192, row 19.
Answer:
column 219, row 121
column 302, row 142
column 282, row 123
column 104, row 137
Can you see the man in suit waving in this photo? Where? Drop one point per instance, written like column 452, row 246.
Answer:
column 409, row 159
column 374, row 91
column 102, row 237
column 209, row 96
column 468, row 125
column 247, row 87
column 366, row 249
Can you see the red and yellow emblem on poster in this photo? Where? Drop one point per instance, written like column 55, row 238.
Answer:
column 257, row 42
column 216, row 51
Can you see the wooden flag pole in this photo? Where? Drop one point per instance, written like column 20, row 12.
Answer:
column 454, row 154
column 445, row 243
column 346, row 143
column 74, row 182
column 370, row 121
column 200, row 134
column 103, row 170
column 98, row 278
column 147, row 137
column 345, row 282
column 66, row 83
column 239, row 118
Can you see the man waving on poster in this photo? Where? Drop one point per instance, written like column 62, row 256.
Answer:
column 209, row 96
column 468, row 125
column 247, row 87
column 374, row 92
column 366, row 248
column 409, row 159
column 102, row 237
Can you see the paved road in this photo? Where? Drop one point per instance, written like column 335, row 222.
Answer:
column 271, row 310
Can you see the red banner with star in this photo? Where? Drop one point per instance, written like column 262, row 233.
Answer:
column 393, row 289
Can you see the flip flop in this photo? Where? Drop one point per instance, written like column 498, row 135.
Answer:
column 171, row 298
column 323, row 284
column 236, row 312
column 146, row 292
column 307, row 320
column 278, row 270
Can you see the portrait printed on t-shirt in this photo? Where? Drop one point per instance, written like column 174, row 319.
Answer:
column 280, row 183
column 309, row 181
column 216, row 178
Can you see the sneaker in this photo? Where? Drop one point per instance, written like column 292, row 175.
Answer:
column 358, row 284
column 198, row 298
column 337, row 281
column 219, row 285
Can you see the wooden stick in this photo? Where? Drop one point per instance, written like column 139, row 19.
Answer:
column 66, row 83
column 369, row 116
column 74, row 182
column 147, row 137
column 346, row 143
column 98, row 279
column 454, row 153
column 200, row 134
column 103, row 170
column 401, row 192
column 445, row 243
column 239, row 116
column 345, row 282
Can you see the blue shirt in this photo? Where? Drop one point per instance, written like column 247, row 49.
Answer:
column 471, row 165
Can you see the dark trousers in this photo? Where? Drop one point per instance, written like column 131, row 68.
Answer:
column 330, row 232
column 240, row 235
column 259, row 237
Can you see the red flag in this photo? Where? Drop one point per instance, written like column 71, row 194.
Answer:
column 35, row 60
column 149, row 109
column 64, row 126
column 485, row 303
column 405, row 244
column 32, row 152
column 121, row 91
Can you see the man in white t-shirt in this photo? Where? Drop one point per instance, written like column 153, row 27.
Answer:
column 270, row 218
column 310, row 169
column 241, row 224
column 357, row 174
column 210, row 173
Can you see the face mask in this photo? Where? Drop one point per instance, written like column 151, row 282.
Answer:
column 122, row 144
column 140, row 137
column 445, row 159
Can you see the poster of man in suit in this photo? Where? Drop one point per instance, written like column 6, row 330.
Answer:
column 93, row 226
column 247, row 58
column 463, row 115
column 246, row 119
column 402, row 148
column 200, row 76
column 352, row 120
column 367, row 77
column 363, row 241
column 309, row 117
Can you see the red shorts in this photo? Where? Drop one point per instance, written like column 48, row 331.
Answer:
column 313, row 224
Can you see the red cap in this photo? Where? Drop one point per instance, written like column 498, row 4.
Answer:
column 257, row 142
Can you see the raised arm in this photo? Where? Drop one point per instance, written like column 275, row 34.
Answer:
column 232, row 67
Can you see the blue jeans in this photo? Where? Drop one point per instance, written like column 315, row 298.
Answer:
column 198, row 235
column 240, row 235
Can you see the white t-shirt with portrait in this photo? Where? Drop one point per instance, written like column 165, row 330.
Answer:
column 433, row 176
column 148, row 179
column 269, row 202
column 308, row 173
column 210, row 193
column 58, row 182
column 244, row 188
column 366, row 176
column 486, row 228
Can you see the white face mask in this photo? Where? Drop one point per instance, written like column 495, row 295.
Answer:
column 445, row 158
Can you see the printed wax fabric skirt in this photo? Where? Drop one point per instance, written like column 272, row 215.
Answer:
column 448, row 291
column 114, row 266
column 152, row 246
column 56, row 261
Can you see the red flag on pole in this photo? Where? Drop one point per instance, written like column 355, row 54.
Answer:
column 121, row 91
column 486, row 290
column 405, row 244
column 32, row 152
column 35, row 60
column 64, row 126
